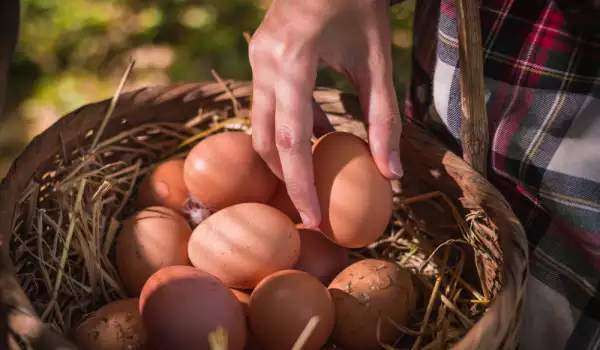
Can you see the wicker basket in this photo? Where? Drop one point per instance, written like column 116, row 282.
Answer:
column 429, row 167
column 427, row 163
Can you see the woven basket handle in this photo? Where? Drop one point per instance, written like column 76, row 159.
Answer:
column 474, row 131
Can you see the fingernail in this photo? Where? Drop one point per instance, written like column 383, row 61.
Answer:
column 394, row 164
column 306, row 220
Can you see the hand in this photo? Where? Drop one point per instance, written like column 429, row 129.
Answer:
column 353, row 37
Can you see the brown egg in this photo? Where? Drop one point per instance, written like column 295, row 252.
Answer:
column 355, row 198
column 364, row 291
column 282, row 305
column 224, row 170
column 164, row 187
column 282, row 201
column 154, row 238
column 182, row 305
column 319, row 256
column 243, row 297
column 116, row 325
column 244, row 243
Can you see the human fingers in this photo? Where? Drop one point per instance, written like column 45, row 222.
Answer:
column 384, row 126
column 378, row 100
column 263, row 109
column 294, row 125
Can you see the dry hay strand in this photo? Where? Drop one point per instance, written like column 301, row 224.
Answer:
column 63, row 241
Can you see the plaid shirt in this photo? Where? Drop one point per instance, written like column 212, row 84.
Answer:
column 542, row 65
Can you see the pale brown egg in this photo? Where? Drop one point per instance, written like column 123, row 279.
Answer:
column 244, row 298
column 282, row 305
column 223, row 170
column 244, row 243
column 116, row 326
column 164, row 187
column 355, row 198
column 362, row 293
column 182, row 305
column 319, row 256
column 154, row 238
column 281, row 200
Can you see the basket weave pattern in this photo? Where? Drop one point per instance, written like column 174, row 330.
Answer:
column 422, row 156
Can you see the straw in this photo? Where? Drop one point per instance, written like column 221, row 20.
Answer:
column 65, row 232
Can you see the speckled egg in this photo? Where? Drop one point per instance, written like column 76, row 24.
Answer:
column 362, row 293
column 115, row 326
column 244, row 243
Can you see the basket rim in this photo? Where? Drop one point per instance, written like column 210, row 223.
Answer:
column 497, row 329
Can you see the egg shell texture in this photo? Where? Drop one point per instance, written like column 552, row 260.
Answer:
column 319, row 256
column 282, row 305
column 182, row 305
column 244, row 243
column 153, row 238
column 116, row 326
column 364, row 291
column 223, row 170
column 164, row 186
column 355, row 198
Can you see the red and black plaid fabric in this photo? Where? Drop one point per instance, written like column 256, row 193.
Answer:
column 542, row 81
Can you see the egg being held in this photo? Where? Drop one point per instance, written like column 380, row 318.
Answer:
column 244, row 243
column 282, row 305
column 355, row 198
column 182, row 305
column 362, row 293
column 116, row 325
column 153, row 238
column 164, row 186
column 319, row 256
column 223, row 170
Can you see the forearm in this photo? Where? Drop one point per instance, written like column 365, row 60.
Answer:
column 9, row 30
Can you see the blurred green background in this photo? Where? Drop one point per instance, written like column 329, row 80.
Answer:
column 73, row 52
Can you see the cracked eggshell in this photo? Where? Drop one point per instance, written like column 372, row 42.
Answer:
column 364, row 291
column 117, row 325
